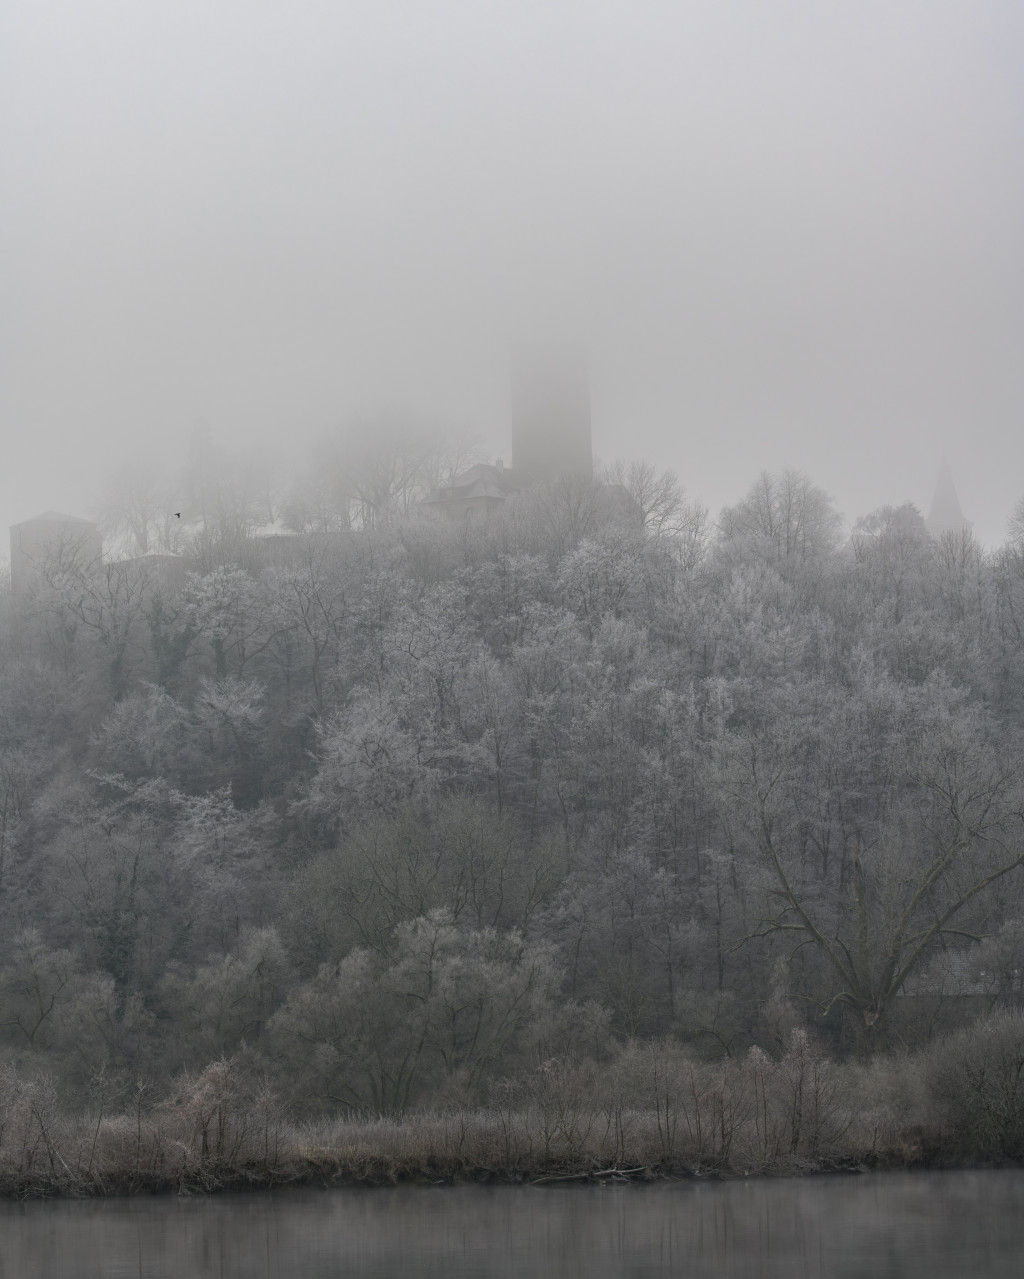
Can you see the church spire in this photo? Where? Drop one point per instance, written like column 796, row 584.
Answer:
column 946, row 515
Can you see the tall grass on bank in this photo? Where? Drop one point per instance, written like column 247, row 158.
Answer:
column 654, row 1110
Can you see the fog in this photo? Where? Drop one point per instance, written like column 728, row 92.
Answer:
column 787, row 235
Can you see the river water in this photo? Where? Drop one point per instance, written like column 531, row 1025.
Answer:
column 887, row 1226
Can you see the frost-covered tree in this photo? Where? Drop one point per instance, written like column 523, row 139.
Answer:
column 440, row 1009
column 783, row 517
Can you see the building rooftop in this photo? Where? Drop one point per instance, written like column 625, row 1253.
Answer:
column 54, row 517
column 481, row 480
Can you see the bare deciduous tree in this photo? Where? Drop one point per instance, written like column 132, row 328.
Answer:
column 881, row 823
column 786, row 515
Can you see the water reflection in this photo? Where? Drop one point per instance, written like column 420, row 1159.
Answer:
column 888, row 1226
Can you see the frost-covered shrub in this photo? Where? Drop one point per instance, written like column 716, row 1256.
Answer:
column 976, row 1083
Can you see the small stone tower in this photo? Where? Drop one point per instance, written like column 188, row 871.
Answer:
column 39, row 543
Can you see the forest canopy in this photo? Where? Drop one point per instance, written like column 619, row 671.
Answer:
column 390, row 808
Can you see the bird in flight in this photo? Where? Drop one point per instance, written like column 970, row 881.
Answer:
column 178, row 514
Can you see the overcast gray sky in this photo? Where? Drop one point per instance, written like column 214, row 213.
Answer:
column 789, row 231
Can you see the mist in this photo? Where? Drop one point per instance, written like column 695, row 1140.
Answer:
column 485, row 694
column 787, row 236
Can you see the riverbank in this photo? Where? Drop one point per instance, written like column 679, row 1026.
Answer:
column 483, row 1147
column 654, row 1112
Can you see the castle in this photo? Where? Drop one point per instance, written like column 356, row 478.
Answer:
column 550, row 440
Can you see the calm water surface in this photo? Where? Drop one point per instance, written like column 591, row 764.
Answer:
column 882, row 1225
